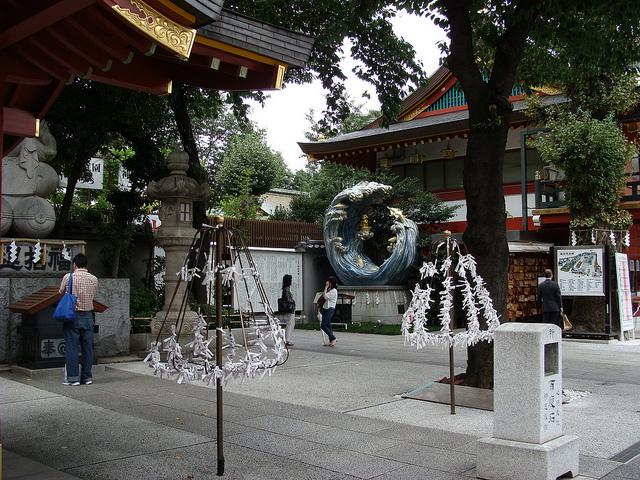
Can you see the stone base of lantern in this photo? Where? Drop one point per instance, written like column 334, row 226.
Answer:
column 500, row 459
column 188, row 323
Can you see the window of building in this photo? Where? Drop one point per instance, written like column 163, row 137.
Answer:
column 398, row 170
column 534, row 163
column 453, row 173
column 434, row 175
column 415, row 171
column 511, row 170
column 185, row 212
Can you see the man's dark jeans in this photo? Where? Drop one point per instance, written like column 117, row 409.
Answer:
column 552, row 317
column 78, row 336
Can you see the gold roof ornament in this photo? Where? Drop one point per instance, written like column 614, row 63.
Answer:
column 166, row 32
column 547, row 90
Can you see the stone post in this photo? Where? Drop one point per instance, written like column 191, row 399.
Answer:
column 177, row 193
column 527, row 441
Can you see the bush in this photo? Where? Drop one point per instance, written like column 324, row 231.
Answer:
column 143, row 302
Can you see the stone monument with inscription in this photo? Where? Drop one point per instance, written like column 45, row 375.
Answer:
column 26, row 180
column 527, row 442
column 177, row 193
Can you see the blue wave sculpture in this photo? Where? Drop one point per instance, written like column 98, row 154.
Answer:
column 346, row 228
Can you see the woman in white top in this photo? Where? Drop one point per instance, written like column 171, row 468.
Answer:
column 330, row 296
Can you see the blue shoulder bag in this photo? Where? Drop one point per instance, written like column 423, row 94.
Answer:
column 66, row 309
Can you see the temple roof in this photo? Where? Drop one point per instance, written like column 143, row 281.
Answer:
column 205, row 11
column 441, row 126
column 253, row 35
column 144, row 45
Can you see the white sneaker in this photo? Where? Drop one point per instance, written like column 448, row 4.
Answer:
column 88, row 382
column 71, row 384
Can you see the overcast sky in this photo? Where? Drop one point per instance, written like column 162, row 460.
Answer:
column 283, row 116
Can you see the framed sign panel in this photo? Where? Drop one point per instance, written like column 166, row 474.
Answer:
column 580, row 271
column 625, row 307
column 272, row 264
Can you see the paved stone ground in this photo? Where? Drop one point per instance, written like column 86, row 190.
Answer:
column 326, row 414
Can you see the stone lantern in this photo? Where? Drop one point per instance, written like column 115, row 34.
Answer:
column 177, row 193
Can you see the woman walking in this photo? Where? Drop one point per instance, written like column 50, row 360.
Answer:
column 330, row 296
column 287, row 310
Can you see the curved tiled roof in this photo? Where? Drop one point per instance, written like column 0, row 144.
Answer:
column 254, row 35
column 413, row 129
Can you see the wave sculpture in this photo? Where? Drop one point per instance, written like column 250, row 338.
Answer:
column 346, row 227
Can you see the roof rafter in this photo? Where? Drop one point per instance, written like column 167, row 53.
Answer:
column 141, row 74
column 16, row 70
column 116, row 51
column 44, row 18
column 94, row 56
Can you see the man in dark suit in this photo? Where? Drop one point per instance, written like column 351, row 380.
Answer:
column 550, row 299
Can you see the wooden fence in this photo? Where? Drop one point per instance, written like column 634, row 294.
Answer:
column 271, row 234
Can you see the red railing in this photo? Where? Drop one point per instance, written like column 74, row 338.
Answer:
column 271, row 234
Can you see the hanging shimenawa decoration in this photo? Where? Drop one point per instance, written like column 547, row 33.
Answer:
column 449, row 265
column 261, row 347
column 450, row 268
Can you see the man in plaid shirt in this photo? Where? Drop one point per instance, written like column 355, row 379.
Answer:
column 78, row 335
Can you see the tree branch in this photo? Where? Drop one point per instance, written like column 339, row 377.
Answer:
column 461, row 60
column 510, row 47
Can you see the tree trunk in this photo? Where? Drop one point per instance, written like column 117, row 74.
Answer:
column 486, row 235
column 489, row 118
column 185, row 129
column 63, row 215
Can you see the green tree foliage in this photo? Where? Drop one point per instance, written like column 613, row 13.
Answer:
column 321, row 182
column 356, row 120
column 244, row 206
column 249, row 166
column 89, row 117
column 386, row 61
column 249, row 169
column 586, row 142
column 593, row 154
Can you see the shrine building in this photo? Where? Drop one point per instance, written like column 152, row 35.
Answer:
column 429, row 142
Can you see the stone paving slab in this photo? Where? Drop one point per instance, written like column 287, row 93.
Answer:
column 142, row 425
column 16, row 466
column 411, row 472
column 433, row 458
column 199, row 461
column 283, row 425
column 271, row 443
column 351, row 463
column 62, row 432
column 341, row 382
column 429, row 437
column 181, row 420
column 594, row 467
column 470, row 447
column 13, row 392
column 349, row 421
column 626, row 471
column 348, row 440
column 110, row 401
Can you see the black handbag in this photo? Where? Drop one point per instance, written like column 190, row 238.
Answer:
column 286, row 307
